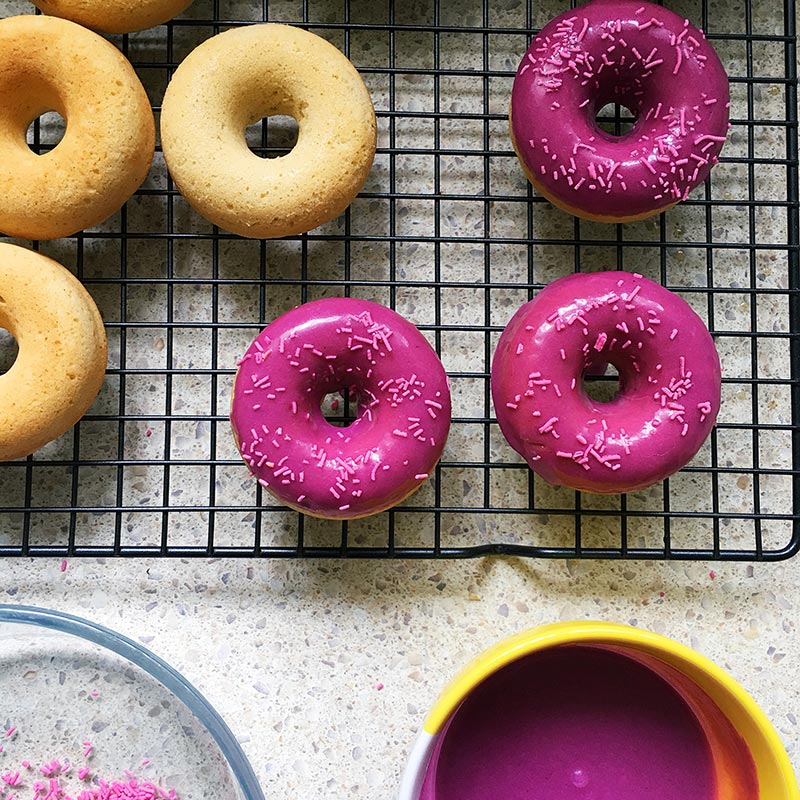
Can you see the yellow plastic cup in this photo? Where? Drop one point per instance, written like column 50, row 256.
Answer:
column 731, row 720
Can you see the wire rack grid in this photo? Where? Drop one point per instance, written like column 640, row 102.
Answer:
column 448, row 232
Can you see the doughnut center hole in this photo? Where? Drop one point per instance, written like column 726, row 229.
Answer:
column 8, row 350
column 340, row 409
column 46, row 132
column 272, row 137
column 615, row 119
column 601, row 387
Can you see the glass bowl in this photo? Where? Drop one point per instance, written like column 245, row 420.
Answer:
column 78, row 693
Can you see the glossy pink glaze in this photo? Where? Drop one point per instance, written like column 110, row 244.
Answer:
column 645, row 58
column 327, row 346
column 669, row 392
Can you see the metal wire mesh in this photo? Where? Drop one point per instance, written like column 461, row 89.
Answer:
column 449, row 233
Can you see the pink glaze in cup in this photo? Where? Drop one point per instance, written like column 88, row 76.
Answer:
column 573, row 723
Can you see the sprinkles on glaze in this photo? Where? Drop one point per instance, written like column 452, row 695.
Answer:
column 641, row 56
column 669, row 393
column 330, row 346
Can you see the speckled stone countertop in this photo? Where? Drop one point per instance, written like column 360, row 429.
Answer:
column 292, row 653
column 324, row 669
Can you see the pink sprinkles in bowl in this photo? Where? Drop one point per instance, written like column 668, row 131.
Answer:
column 48, row 783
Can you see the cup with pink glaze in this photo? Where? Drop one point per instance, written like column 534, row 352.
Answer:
column 595, row 711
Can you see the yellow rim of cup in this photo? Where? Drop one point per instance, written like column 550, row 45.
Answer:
column 776, row 778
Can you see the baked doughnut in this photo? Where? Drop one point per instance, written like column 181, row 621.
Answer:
column 403, row 400
column 235, row 79
column 669, row 382
column 62, row 351
column 51, row 64
column 645, row 58
column 114, row 16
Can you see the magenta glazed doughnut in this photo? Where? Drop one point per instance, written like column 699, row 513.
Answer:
column 645, row 58
column 669, row 384
column 403, row 397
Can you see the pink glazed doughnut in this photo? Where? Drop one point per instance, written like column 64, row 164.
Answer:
column 669, row 382
column 320, row 348
column 645, row 58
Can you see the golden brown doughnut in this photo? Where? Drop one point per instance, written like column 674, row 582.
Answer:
column 50, row 64
column 114, row 16
column 235, row 79
column 62, row 351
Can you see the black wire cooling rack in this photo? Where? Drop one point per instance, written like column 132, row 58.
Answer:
column 448, row 232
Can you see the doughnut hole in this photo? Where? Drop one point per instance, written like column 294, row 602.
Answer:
column 8, row 350
column 601, row 382
column 46, row 132
column 616, row 119
column 338, row 407
column 273, row 136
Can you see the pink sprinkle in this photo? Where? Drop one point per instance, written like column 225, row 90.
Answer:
column 708, row 137
column 548, row 426
column 11, row 730
column 63, row 569
column 602, row 338
column 379, row 687
column 679, row 61
column 421, row 476
column 145, row 762
column 148, row 432
column 712, row 574
column 95, row 693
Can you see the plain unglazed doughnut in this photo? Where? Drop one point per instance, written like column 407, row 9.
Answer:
column 235, row 79
column 639, row 55
column 51, row 64
column 324, row 347
column 62, row 351
column 669, row 382
column 114, row 16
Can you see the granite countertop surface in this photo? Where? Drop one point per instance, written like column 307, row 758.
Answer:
column 324, row 669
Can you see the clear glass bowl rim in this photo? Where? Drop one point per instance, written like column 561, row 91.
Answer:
column 170, row 678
